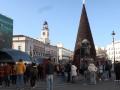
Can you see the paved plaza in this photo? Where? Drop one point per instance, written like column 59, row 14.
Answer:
column 79, row 85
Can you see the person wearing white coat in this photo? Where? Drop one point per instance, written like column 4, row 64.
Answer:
column 73, row 72
column 92, row 69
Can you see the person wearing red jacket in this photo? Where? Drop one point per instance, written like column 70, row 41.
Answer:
column 1, row 74
column 7, row 72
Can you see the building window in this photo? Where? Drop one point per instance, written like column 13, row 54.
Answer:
column 19, row 48
column 109, row 53
column 43, row 33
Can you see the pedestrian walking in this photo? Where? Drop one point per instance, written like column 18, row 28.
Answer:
column 100, row 71
column 1, row 74
column 40, row 72
column 13, row 73
column 85, row 72
column 7, row 72
column 92, row 69
column 73, row 72
column 34, row 74
column 68, row 71
column 49, row 74
column 62, row 71
column 117, row 72
column 107, row 71
column 20, row 69
column 27, row 74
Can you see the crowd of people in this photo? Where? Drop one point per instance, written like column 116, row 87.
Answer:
column 92, row 72
column 20, row 74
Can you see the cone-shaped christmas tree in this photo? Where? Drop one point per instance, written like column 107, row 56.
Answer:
column 84, row 33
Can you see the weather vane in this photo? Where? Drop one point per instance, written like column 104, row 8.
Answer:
column 83, row 1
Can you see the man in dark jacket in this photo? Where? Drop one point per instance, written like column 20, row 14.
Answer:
column 68, row 70
column 117, row 71
column 49, row 74
column 34, row 73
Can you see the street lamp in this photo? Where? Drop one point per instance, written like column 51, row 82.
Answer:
column 113, row 34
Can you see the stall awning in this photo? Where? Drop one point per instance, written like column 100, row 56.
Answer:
column 11, row 55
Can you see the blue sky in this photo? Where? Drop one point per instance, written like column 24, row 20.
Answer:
column 63, row 18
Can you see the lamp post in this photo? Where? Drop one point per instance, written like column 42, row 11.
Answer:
column 113, row 34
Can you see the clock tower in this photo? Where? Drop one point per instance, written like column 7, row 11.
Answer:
column 45, row 33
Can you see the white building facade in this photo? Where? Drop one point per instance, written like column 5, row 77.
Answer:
column 34, row 48
column 64, row 54
column 101, row 52
column 51, row 51
column 41, row 48
column 110, row 51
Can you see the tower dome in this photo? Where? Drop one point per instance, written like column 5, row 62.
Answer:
column 45, row 23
